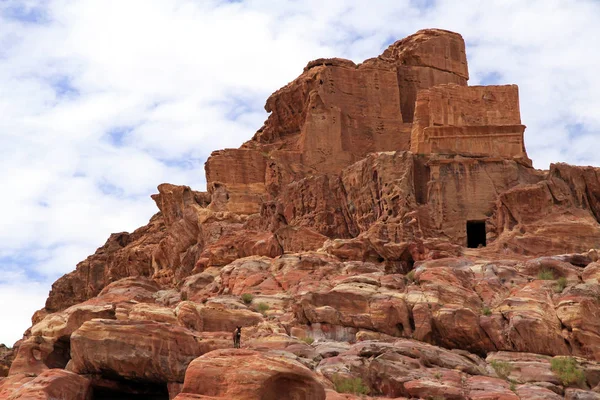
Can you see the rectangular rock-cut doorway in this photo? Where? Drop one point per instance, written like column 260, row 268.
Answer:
column 475, row 234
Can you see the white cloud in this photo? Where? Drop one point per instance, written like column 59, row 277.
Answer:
column 20, row 299
column 101, row 101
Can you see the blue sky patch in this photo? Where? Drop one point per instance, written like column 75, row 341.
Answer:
column 491, row 78
column 423, row 4
column 24, row 14
column 237, row 107
column 109, row 189
column 186, row 163
column 575, row 130
column 20, row 264
column 118, row 135
column 63, row 87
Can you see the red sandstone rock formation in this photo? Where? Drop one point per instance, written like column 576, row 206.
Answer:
column 337, row 239
column 6, row 358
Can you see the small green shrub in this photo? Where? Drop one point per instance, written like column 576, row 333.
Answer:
column 349, row 385
column 502, row 368
column 568, row 371
column 410, row 277
column 546, row 275
column 513, row 386
column 308, row 340
column 262, row 307
column 247, row 298
column 437, row 375
column 486, row 311
column 561, row 284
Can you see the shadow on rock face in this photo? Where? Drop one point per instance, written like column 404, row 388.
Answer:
column 288, row 387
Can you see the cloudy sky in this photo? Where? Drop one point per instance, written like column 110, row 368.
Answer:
column 102, row 100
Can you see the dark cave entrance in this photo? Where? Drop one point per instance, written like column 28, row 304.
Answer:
column 475, row 234
column 129, row 391
column 60, row 354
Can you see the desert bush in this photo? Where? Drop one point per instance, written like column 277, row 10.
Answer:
column 545, row 275
column 486, row 311
column 561, row 284
column 308, row 340
column 568, row 371
column 502, row 368
column 262, row 307
column 349, row 385
column 247, row 298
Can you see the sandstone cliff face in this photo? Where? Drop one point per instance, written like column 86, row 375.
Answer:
column 469, row 120
column 382, row 233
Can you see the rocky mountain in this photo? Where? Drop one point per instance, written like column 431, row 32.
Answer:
column 383, row 235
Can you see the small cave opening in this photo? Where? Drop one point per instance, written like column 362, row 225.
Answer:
column 476, row 234
column 60, row 354
column 130, row 391
column 399, row 329
column 408, row 263
column 411, row 321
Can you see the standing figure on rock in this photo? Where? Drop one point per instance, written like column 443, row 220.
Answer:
column 237, row 335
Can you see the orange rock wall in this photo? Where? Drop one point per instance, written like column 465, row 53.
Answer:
column 468, row 120
column 558, row 214
column 412, row 79
column 236, row 180
column 236, row 166
column 352, row 112
column 440, row 49
column 463, row 189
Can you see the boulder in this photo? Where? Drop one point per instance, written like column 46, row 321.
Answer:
column 142, row 350
column 53, row 384
column 273, row 377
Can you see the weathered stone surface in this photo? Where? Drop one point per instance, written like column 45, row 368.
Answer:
column 404, row 368
column 6, row 358
column 486, row 388
column 359, row 304
column 557, row 215
column 578, row 309
column 578, row 394
column 535, row 392
column 13, row 383
column 146, row 350
column 37, row 354
column 468, row 120
column 272, row 377
column 53, row 384
column 220, row 319
column 236, row 180
column 63, row 324
column 591, row 273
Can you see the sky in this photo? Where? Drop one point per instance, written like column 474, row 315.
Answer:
column 103, row 100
